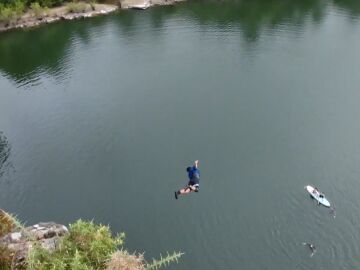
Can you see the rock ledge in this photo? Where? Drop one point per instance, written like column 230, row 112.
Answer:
column 19, row 243
column 144, row 4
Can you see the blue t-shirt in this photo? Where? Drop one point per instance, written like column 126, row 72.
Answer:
column 194, row 175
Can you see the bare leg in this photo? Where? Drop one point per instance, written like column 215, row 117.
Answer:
column 187, row 190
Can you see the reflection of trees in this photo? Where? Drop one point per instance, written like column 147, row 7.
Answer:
column 25, row 53
column 351, row 6
column 4, row 153
column 22, row 53
column 251, row 16
column 254, row 15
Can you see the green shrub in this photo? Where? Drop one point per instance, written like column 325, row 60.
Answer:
column 73, row 7
column 39, row 11
column 18, row 7
column 11, row 11
column 6, row 14
column 86, row 247
column 79, row 262
column 47, row 3
column 92, row 247
column 39, row 259
column 5, row 2
column 95, row 241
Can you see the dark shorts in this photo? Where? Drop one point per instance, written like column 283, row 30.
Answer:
column 195, row 185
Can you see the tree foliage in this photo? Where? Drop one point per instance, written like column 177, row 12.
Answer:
column 10, row 10
column 13, row 9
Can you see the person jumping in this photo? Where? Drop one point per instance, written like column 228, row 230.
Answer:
column 194, row 180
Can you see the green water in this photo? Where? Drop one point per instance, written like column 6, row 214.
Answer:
column 99, row 119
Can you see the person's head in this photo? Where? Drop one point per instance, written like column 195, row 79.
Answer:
column 188, row 169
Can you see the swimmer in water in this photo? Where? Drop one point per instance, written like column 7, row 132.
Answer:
column 311, row 247
column 332, row 212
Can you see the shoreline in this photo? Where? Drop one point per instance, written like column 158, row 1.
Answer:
column 61, row 13
column 65, row 13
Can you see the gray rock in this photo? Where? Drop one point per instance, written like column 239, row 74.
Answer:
column 46, row 234
column 144, row 4
column 15, row 236
column 135, row 4
column 50, row 244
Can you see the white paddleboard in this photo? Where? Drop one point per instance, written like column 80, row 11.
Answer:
column 317, row 195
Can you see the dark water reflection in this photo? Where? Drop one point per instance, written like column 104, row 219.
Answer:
column 4, row 154
column 352, row 7
column 26, row 54
column 47, row 50
column 254, row 16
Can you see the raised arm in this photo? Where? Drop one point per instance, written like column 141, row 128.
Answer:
column 196, row 163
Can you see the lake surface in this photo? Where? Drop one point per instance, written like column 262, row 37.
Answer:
column 99, row 119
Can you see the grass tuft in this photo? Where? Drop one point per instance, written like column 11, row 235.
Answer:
column 122, row 260
column 163, row 262
column 9, row 223
column 38, row 11
column 76, row 7
column 87, row 246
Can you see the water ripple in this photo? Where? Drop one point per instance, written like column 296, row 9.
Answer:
column 5, row 150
